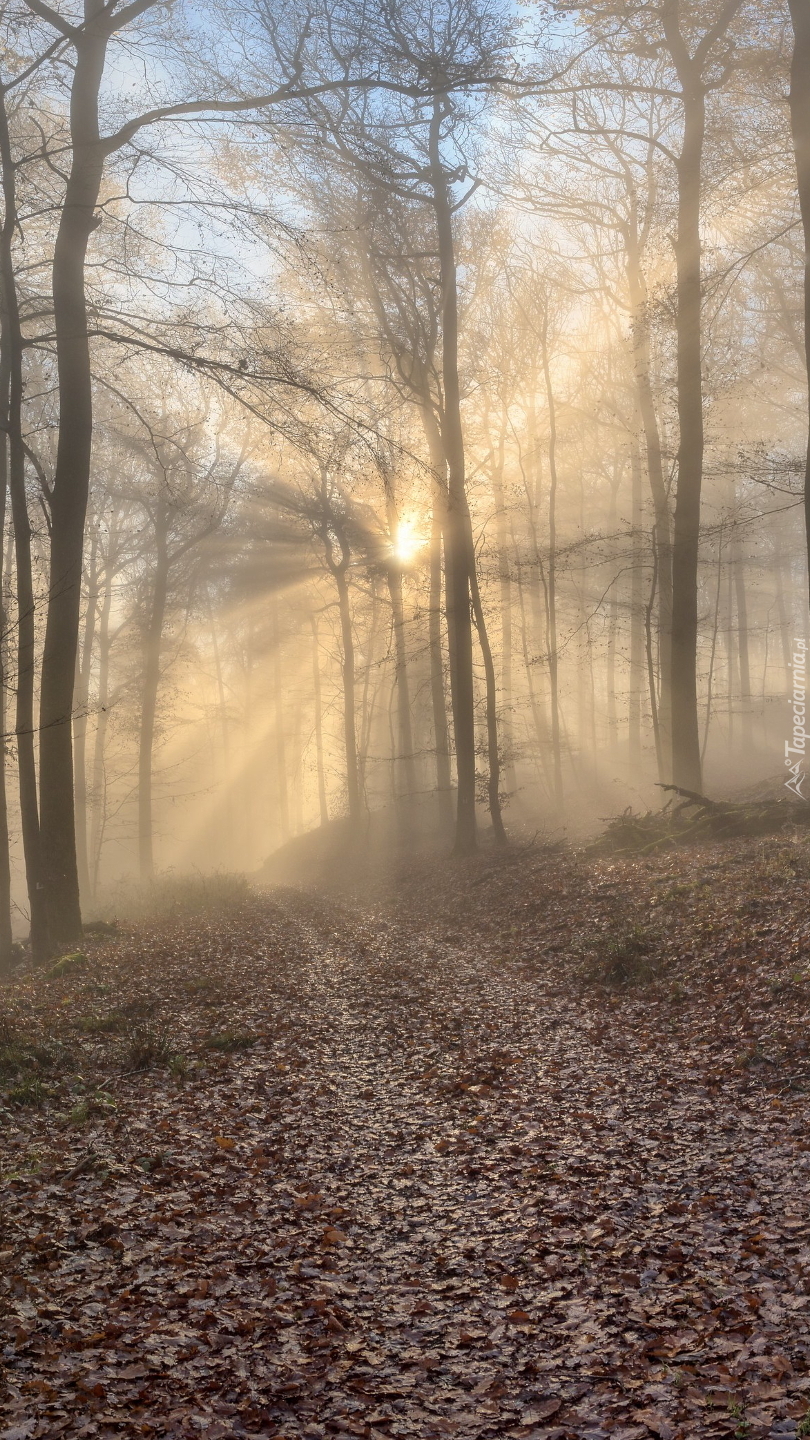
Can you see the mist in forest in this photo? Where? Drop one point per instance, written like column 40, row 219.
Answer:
column 405, row 428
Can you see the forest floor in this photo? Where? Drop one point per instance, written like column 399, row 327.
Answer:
column 517, row 1146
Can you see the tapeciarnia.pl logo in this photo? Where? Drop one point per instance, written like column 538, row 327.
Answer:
column 796, row 753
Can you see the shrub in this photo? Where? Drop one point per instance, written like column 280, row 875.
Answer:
column 148, row 1047
column 624, row 958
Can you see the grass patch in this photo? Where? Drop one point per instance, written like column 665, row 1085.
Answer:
column 627, row 957
column 30, row 1094
column 173, row 896
column 24, row 1060
column 204, row 988
column 229, row 1043
column 115, row 1023
column 91, row 1107
column 68, row 965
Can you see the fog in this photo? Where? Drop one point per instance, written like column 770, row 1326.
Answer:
column 407, row 441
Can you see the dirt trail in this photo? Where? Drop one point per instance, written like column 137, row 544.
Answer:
column 433, row 1195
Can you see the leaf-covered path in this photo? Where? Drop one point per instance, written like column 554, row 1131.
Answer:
column 413, row 1182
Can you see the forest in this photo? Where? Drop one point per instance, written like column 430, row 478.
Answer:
column 404, row 807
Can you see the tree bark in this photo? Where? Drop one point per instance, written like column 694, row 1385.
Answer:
column 72, row 476
column 282, row 795
column 686, row 765
column 97, row 796
column 636, row 612
column 83, row 666
column 457, row 557
column 497, row 456
column 151, row 683
column 316, row 687
column 658, row 490
column 441, row 737
column 405, row 755
column 800, row 127
column 551, row 586
column 6, row 937
column 11, row 361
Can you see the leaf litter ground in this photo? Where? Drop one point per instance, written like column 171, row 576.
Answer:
column 522, row 1151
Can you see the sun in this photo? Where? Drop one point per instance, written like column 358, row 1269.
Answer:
column 408, row 542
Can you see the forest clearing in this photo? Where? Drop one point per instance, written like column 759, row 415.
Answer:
column 404, row 744
column 517, row 1146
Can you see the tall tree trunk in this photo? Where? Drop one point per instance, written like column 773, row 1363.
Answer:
column 551, row 587
column 151, row 683
column 800, row 126
column 715, row 627
column 349, row 717
column 441, row 737
column 222, row 708
column 785, row 626
column 458, row 560
column 743, row 647
column 11, row 347
column 405, row 756
column 84, row 662
column 97, row 795
column 497, row 455
column 686, row 766
column 316, row 688
column 613, row 616
column 493, row 754
column 6, row 937
column 648, row 645
column 538, row 714
column 72, row 475
column 282, row 795
column 636, row 611
column 639, row 306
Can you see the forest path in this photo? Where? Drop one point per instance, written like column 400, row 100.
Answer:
column 407, row 1189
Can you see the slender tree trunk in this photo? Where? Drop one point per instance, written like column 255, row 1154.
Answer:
column 11, row 346
column 493, row 755
column 553, row 659
column 658, row 491
column 279, row 727
column 686, row 767
column 743, row 647
column 441, row 738
column 151, row 684
column 636, row 612
column 6, row 937
column 785, row 627
column 83, row 667
column 349, row 718
column 457, row 558
column 538, row 713
column 497, row 456
column 97, row 796
column 648, row 641
column 800, row 126
column 405, row 756
column 613, row 618
column 222, row 707
column 730, row 652
column 715, row 628
column 316, row 688
column 72, row 476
